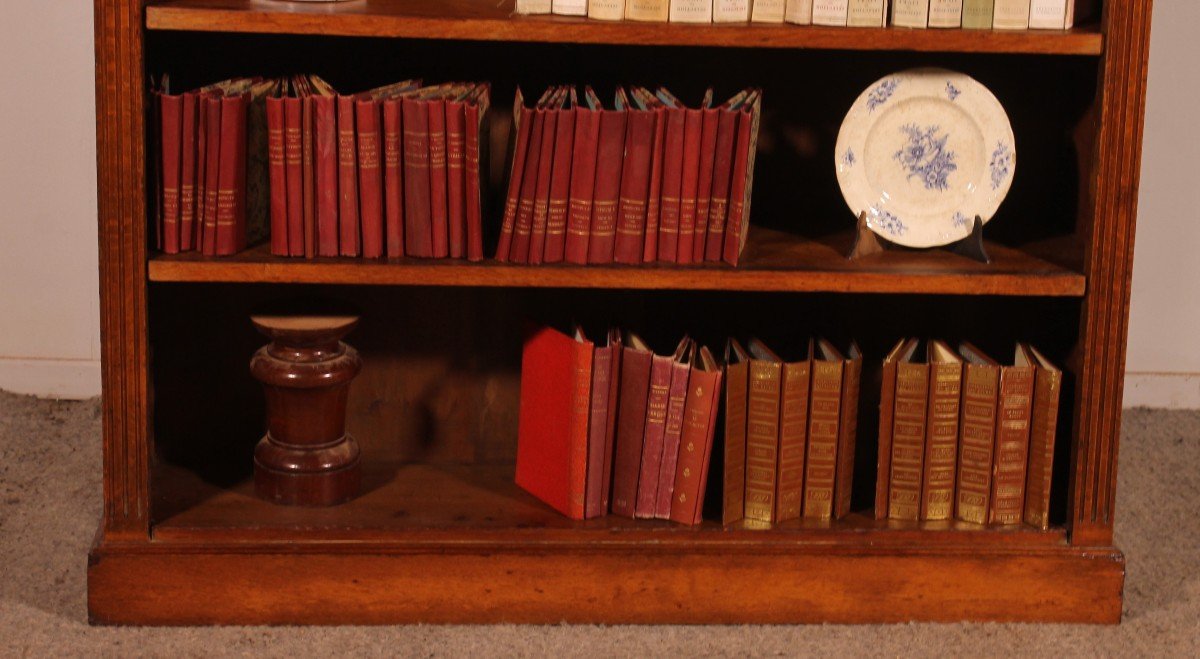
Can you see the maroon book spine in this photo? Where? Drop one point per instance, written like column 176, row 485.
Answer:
column 308, row 173
column 201, row 169
column 348, row 218
column 722, row 172
column 602, row 376
column 654, row 194
column 187, row 176
column 737, row 220
column 541, row 199
column 687, row 192
column 294, row 173
column 370, row 177
column 524, row 226
column 695, row 456
column 655, row 431
column 676, row 398
column 171, row 143
column 476, row 110
column 583, row 182
column 560, row 187
column 231, row 177
column 418, row 236
column 325, row 136
column 609, row 160
column 456, row 143
column 704, row 180
column 212, row 167
column 393, row 179
column 515, row 181
column 635, row 185
column 631, row 424
column 672, row 186
column 438, row 213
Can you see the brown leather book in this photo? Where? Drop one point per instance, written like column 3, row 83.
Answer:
column 689, row 188
column 327, row 173
column 631, row 424
column 370, row 176
column 583, row 180
column 560, row 182
column 393, row 177
column 456, row 161
column 349, row 232
column 476, row 135
column 704, row 179
column 231, row 177
column 843, row 480
column 737, row 220
column 737, row 368
column 308, row 176
column 762, row 433
column 606, row 377
column 695, row 450
column 418, row 228
column 941, row 432
column 824, row 430
column 545, row 171
column 661, row 370
column 212, row 166
column 294, row 170
column 727, row 122
column 908, row 437
column 171, row 141
column 435, row 121
column 1046, row 390
column 635, row 184
column 672, row 181
column 654, row 191
column 187, row 174
column 681, row 366
column 522, row 127
column 793, row 436
column 1010, row 460
column 887, row 403
column 977, row 435
column 609, row 160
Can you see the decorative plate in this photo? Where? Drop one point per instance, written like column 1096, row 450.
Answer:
column 923, row 152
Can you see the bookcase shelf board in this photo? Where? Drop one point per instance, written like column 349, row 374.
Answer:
column 479, row 20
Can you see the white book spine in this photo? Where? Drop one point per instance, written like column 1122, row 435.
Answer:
column 798, row 12
column 691, row 11
column 1011, row 15
column 647, row 10
column 945, row 13
column 569, row 7
column 731, row 11
column 1049, row 14
column 910, row 13
column 830, row 12
column 533, row 6
column 606, row 10
column 767, row 11
column 867, row 13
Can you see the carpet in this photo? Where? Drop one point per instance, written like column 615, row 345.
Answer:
column 50, row 504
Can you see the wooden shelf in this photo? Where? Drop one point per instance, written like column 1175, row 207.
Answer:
column 774, row 261
column 490, row 20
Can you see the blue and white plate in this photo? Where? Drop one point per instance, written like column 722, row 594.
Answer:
column 923, row 152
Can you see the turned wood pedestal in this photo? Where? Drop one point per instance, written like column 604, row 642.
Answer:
column 306, row 457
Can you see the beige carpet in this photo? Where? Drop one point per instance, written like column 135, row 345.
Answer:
column 50, row 503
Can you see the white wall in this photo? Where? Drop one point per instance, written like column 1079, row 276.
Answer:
column 49, row 341
column 49, row 309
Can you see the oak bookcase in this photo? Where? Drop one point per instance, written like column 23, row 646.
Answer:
column 441, row 534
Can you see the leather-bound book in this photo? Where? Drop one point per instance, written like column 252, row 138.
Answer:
column 545, row 171
column 519, row 253
column 212, row 167
column 908, row 437
column 609, row 161
column 672, row 179
column 370, row 176
column 456, row 161
column 418, row 227
column 635, row 184
column 523, row 126
column 171, row 113
column 631, row 424
column 695, row 449
column 393, row 177
column 308, row 175
column 793, row 436
column 689, row 188
column 843, row 480
column 737, row 387
column 941, row 432
column 762, row 433
column 1046, row 390
column 231, row 177
column 439, row 232
column 325, row 166
column 977, row 435
column 560, row 181
column 727, row 121
column 552, row 435
column 1010, row 460
column 349, row 232
column 201, row 169
column 187, row 174
column 583, row 178
column 294, row 170
column 606, row 378
column 676, row 397
column 661, row 369
column 737, row 220
column 824, row 425
column 704, row 179
column 887, row 404
column 657, row 154
column 476, row 112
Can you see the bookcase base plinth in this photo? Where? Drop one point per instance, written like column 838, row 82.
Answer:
column 593, row 581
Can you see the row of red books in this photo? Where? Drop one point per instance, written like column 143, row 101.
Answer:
column 964, row 437
column 615, row 426
column 649, row 180
column 393, row 171
column 202, row 167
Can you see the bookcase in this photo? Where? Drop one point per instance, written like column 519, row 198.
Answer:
column 441, row 533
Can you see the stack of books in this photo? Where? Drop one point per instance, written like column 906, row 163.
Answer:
column 963, row 437
column 647, row 180
column 389, row 172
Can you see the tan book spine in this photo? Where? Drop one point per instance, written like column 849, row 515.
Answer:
column 734, row 485
column 843, row 485
column 1046, row 388
column 1011, row 15
column 767, row 11
column 977, row 433
column 793, row 430
column 824, row 416
column 606, row 10
column 887, row 404
column 762, row 439
column 908, row 441
column 941, row 441
column 647, row 10
column 1012, row 445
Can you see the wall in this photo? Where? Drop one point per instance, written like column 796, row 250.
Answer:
column 49, row 341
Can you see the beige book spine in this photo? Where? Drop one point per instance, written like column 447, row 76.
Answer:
column 647, row 10
column 1011, row 15
column 606, row 10
column 691, row 11
column 731, row 11
column 767, row 11
column 945, row 13
column 830, row 12
column 910, row 13
column 533, row 6
column 798, row 12
column 1049, row 14
column 867, row 13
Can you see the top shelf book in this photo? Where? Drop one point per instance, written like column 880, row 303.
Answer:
column 492, row 20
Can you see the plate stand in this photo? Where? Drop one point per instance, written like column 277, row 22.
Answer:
column 867, row 242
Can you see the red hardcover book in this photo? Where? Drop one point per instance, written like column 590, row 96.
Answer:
column 695, row 452
column 418, row 227
column 171, row 112
column 187, row 175
column 308, row 175
column 654, row 193
column 456, row 160
column 438, row 207
column 552, row 434
column 661, row 368
column 154, row 163
column 583, row 182
column 349, row 233
column 609, row 160
column 370, row 176
column 560, row 185
column 231, row 177
column 710, row 118
column 672, row 185
column 519, row 253
column 212, row 167
column 327, row 173
column 523, row 126
column 635, row 186
column 476, row 110
column 201, row 173
column 689, row 185
column 681, row 367
column 606, row 377
column 295, row 174
column 393, row 179
column 727, row 121
column 278, row 175
column 737, row 221
column 631, row 424
column 541, row 199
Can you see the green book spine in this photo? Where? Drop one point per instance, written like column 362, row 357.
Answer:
column 977, row 14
